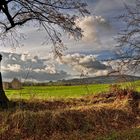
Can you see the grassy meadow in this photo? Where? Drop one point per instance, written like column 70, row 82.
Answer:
column 58, row 92
column 47, row 92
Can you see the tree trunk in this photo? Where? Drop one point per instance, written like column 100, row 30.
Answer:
column 3, row 98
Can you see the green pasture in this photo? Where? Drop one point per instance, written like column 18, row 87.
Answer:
column 47, row 92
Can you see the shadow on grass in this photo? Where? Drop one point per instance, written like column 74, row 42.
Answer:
column 75, row 122
column 41, row 105
column 82, row 118
column 53, row 104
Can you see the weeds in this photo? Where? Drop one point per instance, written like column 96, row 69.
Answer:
column 122, row 92
column 66, row 119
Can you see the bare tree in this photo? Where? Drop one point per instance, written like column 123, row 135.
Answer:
column 129, row 38
column 46, row 13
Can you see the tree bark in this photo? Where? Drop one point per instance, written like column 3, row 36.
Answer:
column 4, row 101
column 3, row 98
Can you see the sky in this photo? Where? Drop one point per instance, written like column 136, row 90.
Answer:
column 34, row 61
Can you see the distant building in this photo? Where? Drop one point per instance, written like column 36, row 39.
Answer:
column 14, row 84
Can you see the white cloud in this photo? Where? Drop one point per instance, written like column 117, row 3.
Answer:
column 21, row 65
column 14, row 67
column 84, row 64
column 89, row 25
column 50, row 69
column 101, row 72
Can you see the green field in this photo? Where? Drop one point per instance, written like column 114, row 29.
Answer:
column 47, row 92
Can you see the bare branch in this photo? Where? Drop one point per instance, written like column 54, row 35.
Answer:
column 129, row 38
column 49, row 13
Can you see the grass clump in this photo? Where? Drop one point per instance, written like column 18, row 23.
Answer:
column 67, row 119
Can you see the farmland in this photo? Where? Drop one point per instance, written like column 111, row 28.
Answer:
column 47, row 92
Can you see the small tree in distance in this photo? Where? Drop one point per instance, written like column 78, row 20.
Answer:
column 45, row 13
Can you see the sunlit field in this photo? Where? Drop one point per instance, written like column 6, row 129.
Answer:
column 58, row 92
column 46, row 92
column 68, row 116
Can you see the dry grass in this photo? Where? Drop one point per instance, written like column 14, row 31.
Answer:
column 74, row 119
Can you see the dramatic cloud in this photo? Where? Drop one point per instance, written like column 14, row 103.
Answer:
column 24, row 66
column 89, row 26
column 99, row 30
column 85, row 64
